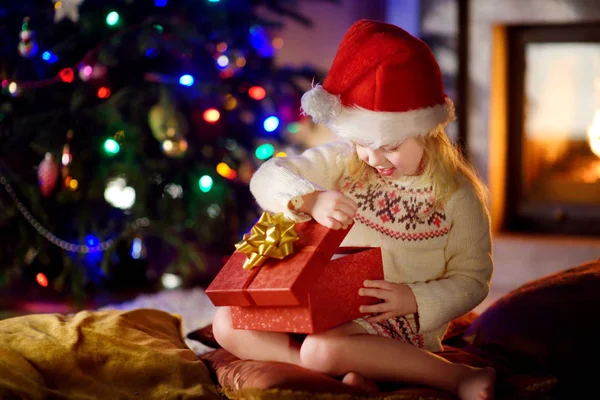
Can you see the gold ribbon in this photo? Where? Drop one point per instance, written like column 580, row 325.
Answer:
column 273, row 236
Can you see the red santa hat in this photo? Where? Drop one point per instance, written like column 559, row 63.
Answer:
column 384, row 86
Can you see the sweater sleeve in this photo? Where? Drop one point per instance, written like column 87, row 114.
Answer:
column 281, row 179
column 469, row 266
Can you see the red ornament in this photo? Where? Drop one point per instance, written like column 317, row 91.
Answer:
column 47, row 174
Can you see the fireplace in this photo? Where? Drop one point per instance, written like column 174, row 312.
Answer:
column 553, row 123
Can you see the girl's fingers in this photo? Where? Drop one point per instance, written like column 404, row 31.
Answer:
column 342, row 218
column 380, row 284
column 374, row 308
column 379, row 293
column 347, row 201
column 381, row 317
column 332, row 223
column 346, row 209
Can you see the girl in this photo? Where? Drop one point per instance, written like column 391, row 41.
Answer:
column 397, row 175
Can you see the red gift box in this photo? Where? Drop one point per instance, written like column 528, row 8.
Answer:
column 305, row 292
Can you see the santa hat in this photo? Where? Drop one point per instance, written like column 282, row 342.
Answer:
column 384, row 86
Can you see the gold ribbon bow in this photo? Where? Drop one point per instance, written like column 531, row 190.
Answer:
column 273, row 236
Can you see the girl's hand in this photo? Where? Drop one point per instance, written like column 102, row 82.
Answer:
column 329, row 208
column 398, row 300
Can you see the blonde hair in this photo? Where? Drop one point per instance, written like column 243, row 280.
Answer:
column 443, row 164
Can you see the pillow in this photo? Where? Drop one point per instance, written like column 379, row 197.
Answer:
column 234, row 374
column 268, row 379
column 457, row 327
column 105, row 354
column 237, row 376
column 546, row 327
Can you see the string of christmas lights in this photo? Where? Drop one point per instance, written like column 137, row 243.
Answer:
column 55, row 240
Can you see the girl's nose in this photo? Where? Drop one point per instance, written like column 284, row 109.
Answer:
column 376, row 157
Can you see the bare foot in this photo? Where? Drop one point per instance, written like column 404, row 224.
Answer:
column 360, row 382
column 477, row 384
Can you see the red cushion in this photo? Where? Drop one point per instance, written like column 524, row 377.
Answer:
column 457, row 327
column 236, row 376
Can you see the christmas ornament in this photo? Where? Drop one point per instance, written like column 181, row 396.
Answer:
column 66, row 8
column 28, row 46
column 166, row 123
column 47, row 174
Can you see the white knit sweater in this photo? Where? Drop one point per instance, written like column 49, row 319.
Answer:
column 443, row 255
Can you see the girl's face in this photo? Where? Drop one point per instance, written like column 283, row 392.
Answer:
column 394, row 162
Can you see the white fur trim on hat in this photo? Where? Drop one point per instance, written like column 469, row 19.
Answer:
column 321, row 105
column 377, row 128
column 373, row 128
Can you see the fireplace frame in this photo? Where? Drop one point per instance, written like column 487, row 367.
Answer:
column 552, row 218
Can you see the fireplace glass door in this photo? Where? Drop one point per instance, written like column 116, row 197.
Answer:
column 561, row 158
column 555, row 181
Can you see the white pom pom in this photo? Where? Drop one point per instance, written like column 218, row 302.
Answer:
column 321, row 105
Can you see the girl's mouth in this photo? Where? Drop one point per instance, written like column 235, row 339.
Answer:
column 386, row 171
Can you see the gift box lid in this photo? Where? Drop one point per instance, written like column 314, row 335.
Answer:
column 282, row 282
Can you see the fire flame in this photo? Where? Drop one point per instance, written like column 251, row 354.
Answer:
column 593, row 132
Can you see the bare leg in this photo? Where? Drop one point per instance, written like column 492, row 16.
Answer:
column 346, row 350
column 360, row 382
column 387, row 359
column 254, row 345
column 352, row 378
column 273, row 346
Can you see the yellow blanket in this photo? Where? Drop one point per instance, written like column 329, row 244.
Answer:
column 136, row 354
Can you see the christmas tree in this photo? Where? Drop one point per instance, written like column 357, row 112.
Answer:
column 129, row 131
